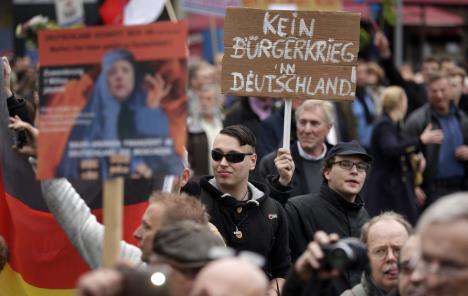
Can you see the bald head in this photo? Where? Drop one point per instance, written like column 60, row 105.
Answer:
column 230, row 277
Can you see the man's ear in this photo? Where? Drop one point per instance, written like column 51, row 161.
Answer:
column 253, row 161
column 326, row 173
column 186, row 174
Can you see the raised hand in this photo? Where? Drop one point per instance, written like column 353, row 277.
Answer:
column 308, row 263
column 284, row 165
column 157, row 89
column 7, row 77
column 382, row 44
column 30, row 147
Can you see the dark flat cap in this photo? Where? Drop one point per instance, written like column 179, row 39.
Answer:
column 186, row 244
column 348, row 148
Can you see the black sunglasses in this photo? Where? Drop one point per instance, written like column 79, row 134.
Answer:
column 233, row 157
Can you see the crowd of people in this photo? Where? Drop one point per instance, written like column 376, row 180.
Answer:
column 388, row 171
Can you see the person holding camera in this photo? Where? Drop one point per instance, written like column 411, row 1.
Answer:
column 337, row 208
column 384, row 236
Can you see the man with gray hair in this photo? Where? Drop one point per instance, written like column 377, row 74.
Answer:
column 314, row 119
column 384, row 236
column 443, row 229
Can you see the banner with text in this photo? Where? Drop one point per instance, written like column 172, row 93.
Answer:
column 290, row 54
column 113, row 101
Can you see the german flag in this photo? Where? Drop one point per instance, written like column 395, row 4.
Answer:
column 42, row 260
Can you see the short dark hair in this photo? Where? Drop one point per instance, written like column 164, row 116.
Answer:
column 389, row 215
column 242, row 133
column 179, row 207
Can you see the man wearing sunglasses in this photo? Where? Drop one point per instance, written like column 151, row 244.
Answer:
column 336, row 208
column 243, row 212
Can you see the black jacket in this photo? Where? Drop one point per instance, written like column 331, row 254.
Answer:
column 414, row 127
column 390, row 184
column 17, row 106
column 261, row 220
column 329, row 212
column 416, row 92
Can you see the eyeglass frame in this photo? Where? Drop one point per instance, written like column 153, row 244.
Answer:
column 442, row 269
column 228, row 156
column 356, row 164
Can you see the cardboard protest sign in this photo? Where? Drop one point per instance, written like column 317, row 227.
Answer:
column 113, row 101
column 290, row 54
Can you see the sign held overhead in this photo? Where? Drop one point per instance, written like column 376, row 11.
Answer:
column 293, row 54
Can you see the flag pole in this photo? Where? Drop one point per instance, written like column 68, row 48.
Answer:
column 170, row 11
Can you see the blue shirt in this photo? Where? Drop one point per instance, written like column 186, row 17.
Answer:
column 448, row 165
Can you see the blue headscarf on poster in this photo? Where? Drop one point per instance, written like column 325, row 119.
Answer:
column 118, row 111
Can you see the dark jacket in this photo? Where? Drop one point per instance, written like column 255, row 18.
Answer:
column 416, row 93
column 261, row 221
column 329, row 212
column 415, row 125
column 390, row 184
column 241, row 113
column 270, row 132
column 17, row 106
column 299, row 179
column 463, row 103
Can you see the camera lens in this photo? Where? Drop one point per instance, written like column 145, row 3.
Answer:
column 338, row 259
column 345, row 253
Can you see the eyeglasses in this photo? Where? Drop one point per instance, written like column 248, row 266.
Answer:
column 233, row 157
column 348, row 165
column 383, row 252
column 434, row 267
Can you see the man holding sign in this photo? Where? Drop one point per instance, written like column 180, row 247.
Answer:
column 284, row 54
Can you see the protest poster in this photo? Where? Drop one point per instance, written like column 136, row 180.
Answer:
column 113, row 101
column 290, row 54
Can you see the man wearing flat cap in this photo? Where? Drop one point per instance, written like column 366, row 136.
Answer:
column 182, row 248
column 337, row 208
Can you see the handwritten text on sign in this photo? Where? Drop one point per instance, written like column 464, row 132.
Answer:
column 290, row 53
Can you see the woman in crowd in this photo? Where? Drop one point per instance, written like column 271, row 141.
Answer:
column 391, row 183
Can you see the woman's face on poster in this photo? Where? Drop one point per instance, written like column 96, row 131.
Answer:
column 121, row 80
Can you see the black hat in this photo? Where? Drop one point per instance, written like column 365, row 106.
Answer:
column 348, row 148
column 186, row 244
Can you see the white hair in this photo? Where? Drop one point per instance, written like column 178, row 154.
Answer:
column 312, row 104
column 447, row 209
